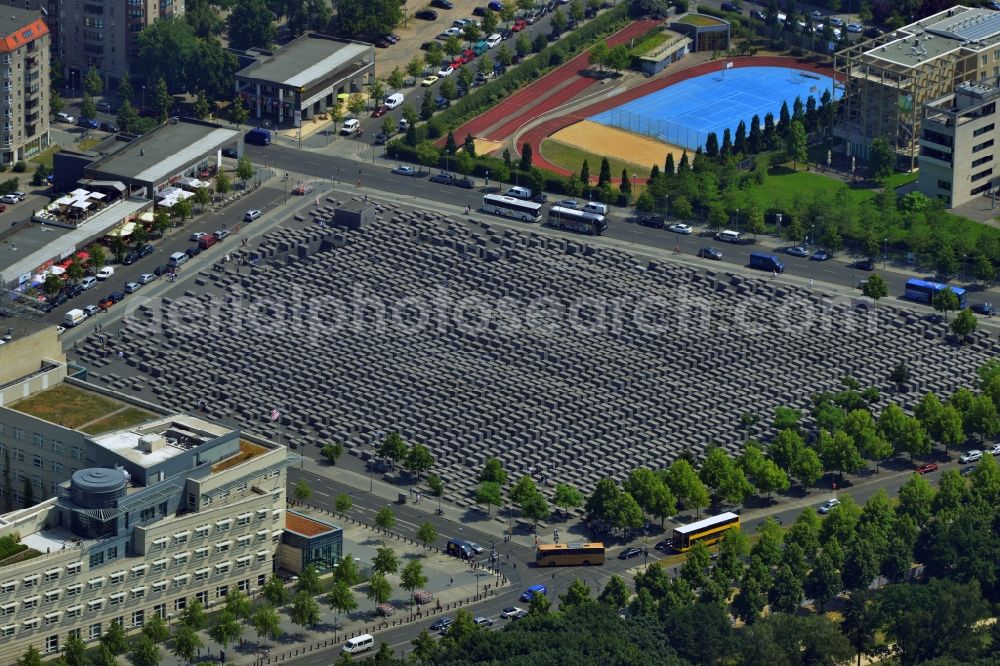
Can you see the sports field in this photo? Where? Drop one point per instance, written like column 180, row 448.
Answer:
column 684, row 113
column 628, row 148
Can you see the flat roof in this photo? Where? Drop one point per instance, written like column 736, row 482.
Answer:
column 165, row 150
column 973, row 29
column 307, row 527
column 71, row 406
column 305, row 61
column 177, row 433
column 49, row 242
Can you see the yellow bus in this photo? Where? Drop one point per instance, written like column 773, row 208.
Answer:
column 708, row 531
column 569, row 554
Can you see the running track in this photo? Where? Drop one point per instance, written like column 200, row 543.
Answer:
column 561, row 85
column 535, row 135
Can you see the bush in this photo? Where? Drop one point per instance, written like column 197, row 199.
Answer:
column 20, row 167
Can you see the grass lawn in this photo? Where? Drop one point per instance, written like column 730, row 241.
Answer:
column 571, row 157
column 783, row 186
column 46, row 156
column 648, row 44
column 87, row 144
column 129, row 416
column 67, row 406
column 700, row 20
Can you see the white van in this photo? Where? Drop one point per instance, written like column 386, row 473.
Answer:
column 728, row 236
column 596, row 207
column 359, row 644
column 350, row 126
column 493, row 40
column 73, row 317
column 178, row 259
column 519, row 193
column 392, row 101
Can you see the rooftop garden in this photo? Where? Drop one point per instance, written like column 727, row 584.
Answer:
column 699, row 20
column 118, row 420
column 12, row 552
column 247, row 451
column 73, row 407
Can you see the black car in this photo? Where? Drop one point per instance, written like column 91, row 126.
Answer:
column 629, row 553
column 193, row 251
column 710, row 253
column 426, row 46
column 984, row 309
column 146, row 250
column 873, row 32
column 229, row 152
column 160, row 270
column 464, row 183
column 426, row 15
column 382, row 43
column 380, row 139
column 56, row 301
column 442, row 4
column 506, row 33
column 74, row 290
column 443, row 178
column 864, row 265
column 757, row 14
column 117, row 296
column 480, row 11
column 652, row 221
column 664, row 545
column 109, row 127
column 130, row 258
column 730, row 7
column 539, row 198
column 441, row 624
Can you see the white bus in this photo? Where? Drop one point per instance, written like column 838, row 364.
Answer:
column 579, row 221
column 501, row 204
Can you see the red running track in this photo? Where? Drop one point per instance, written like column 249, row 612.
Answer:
column 520, row 107
column 535, row 135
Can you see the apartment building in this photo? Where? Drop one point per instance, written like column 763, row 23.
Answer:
column 959, row 145
column 146, row 511
column 888, row 80
column 24, row 100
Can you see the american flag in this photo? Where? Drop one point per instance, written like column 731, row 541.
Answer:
column 275, row 414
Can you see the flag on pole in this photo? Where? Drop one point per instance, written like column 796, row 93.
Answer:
column 729, row 65
column 275, row 414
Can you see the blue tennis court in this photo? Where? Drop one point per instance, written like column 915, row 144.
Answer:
column 683, row 114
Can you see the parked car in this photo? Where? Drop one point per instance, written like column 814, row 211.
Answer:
column 443, row 178
column 464, row 183
column 88, row 282
column 248, row 216
column 445, row 71
column 88, row 123
column 403, row 170
column 91, row 310
column 146, row 250
column 495, row 5
column 429, row 81
column 132, row 287
column 130, row 258
column 105, row 273
column 108, row 127
column 975, row 455
column 442, row 4
column 104, row 107
column 730, row 7
column 193, row 251
column 426, row 15
column 380, row 139
column 512, row 612
column 9, row 199
column 220, row 234
column 679, row 228
column 926, row 469
column 994, row 451
column 65, row 118
column 652, row 221
column 828, row 505
column 820, row 255
column 483, row 621
column 198, row 235
column 442, row 623
column 864, row 265
column 146, row 278
column 380, row 111
column 442, row 102
column 855, row 27
column 986, row 309
column 797, row 251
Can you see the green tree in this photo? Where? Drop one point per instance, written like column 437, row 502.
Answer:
column 916, row 499
column 807, row 468
column 859, row 624
column 87, row 107
column 389, row 125
column 493, row 471
column 425, row 647
column 412, row 577
column 274, row 591
column 222, row 182
column 356, row 104
column 598, row 54
column 983, row 269
column 427, row 534
column 202, row 197
column 535, row 507
column 103, row 657
column 785, row 594
column 489, row 493
column 881, row 160
column 308, row 581
column 114, row 639
column 965, row 324
column 615, row 593
column 332, row 451
column 244, row 169
column 187, row 643
column 341, row 599
column 238, row 113
column 379, row 589
column 304, row 611
column 395, row 78
column 144, row 653
column 982, row 419
column 226, row 630
column 93, row 85
column 418, row 459
column 156, row 629
column 31, row 657
column 347, row 571
column 577, row 594
column 393, row 447
column 619, row 58
column 685, row 485
column 385, row 561
column 567, row 497
column 202, row 109
column 163, row 101
column 266, row 623
column 385, row 519
column 823, row 582
column 74, row 651
column 876, row 288
column 302, row 491
column 249, row 24
column 795, row 143
column 239, row 604
column 343, row 503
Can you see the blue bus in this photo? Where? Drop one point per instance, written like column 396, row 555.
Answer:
column 924, row 290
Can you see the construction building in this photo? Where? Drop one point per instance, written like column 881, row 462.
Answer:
column 24, row 105
column 959, row 145
column 887, row 81
column 126, row 511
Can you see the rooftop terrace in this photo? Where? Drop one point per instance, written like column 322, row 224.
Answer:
column 87, row 411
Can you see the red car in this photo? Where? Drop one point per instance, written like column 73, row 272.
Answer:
column 458, row 62
column 927, row 469
column 468, row 55
column 519, row 25
column 380, row 111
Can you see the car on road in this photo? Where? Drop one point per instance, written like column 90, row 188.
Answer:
column 512, row 612
column 476, row 548
column 855, row 27
column 816, row 15
column 519, row 25
column 442, row 4
column 9, row 199
column 679, row 228
column 995, row 451
column 442, row 623
column 249, row 216
column 836, row 22
column 664, row 545
column 380, row 111
column 863, row 265
column 130, row 258
column 873, row 32
column 529, row 594
column 193, row 251
column 91, row 310
column 429, row 81
column 350, row 126
column 828, row 505
column 629, row 553
column 107, row 126
column 105, row 273
column 710, row 253
column 797, row 251
column 820, row 255
column 464, row 183
column 65, row 118
column 403, row 170
column 88, row 282
column 540, row 198
column 442, row 178
column 198, row 235
column 220, row 233
column 132, row 287
column 567, row 203
column 652, row 221
column 986, row 309
column 380, row 139
column 446, row 71
column 730, row 7
column 969, row 471
column 146, row 278
column 975, row 455
column 88, row 123
column 927, row 468
column 426, row 15
column 483, row 621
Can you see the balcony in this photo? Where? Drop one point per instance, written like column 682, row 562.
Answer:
column 31, row 118
column 32, row 91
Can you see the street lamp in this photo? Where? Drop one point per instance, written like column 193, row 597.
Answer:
column 812, row 234
column 965, row 258
column 885, row 252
